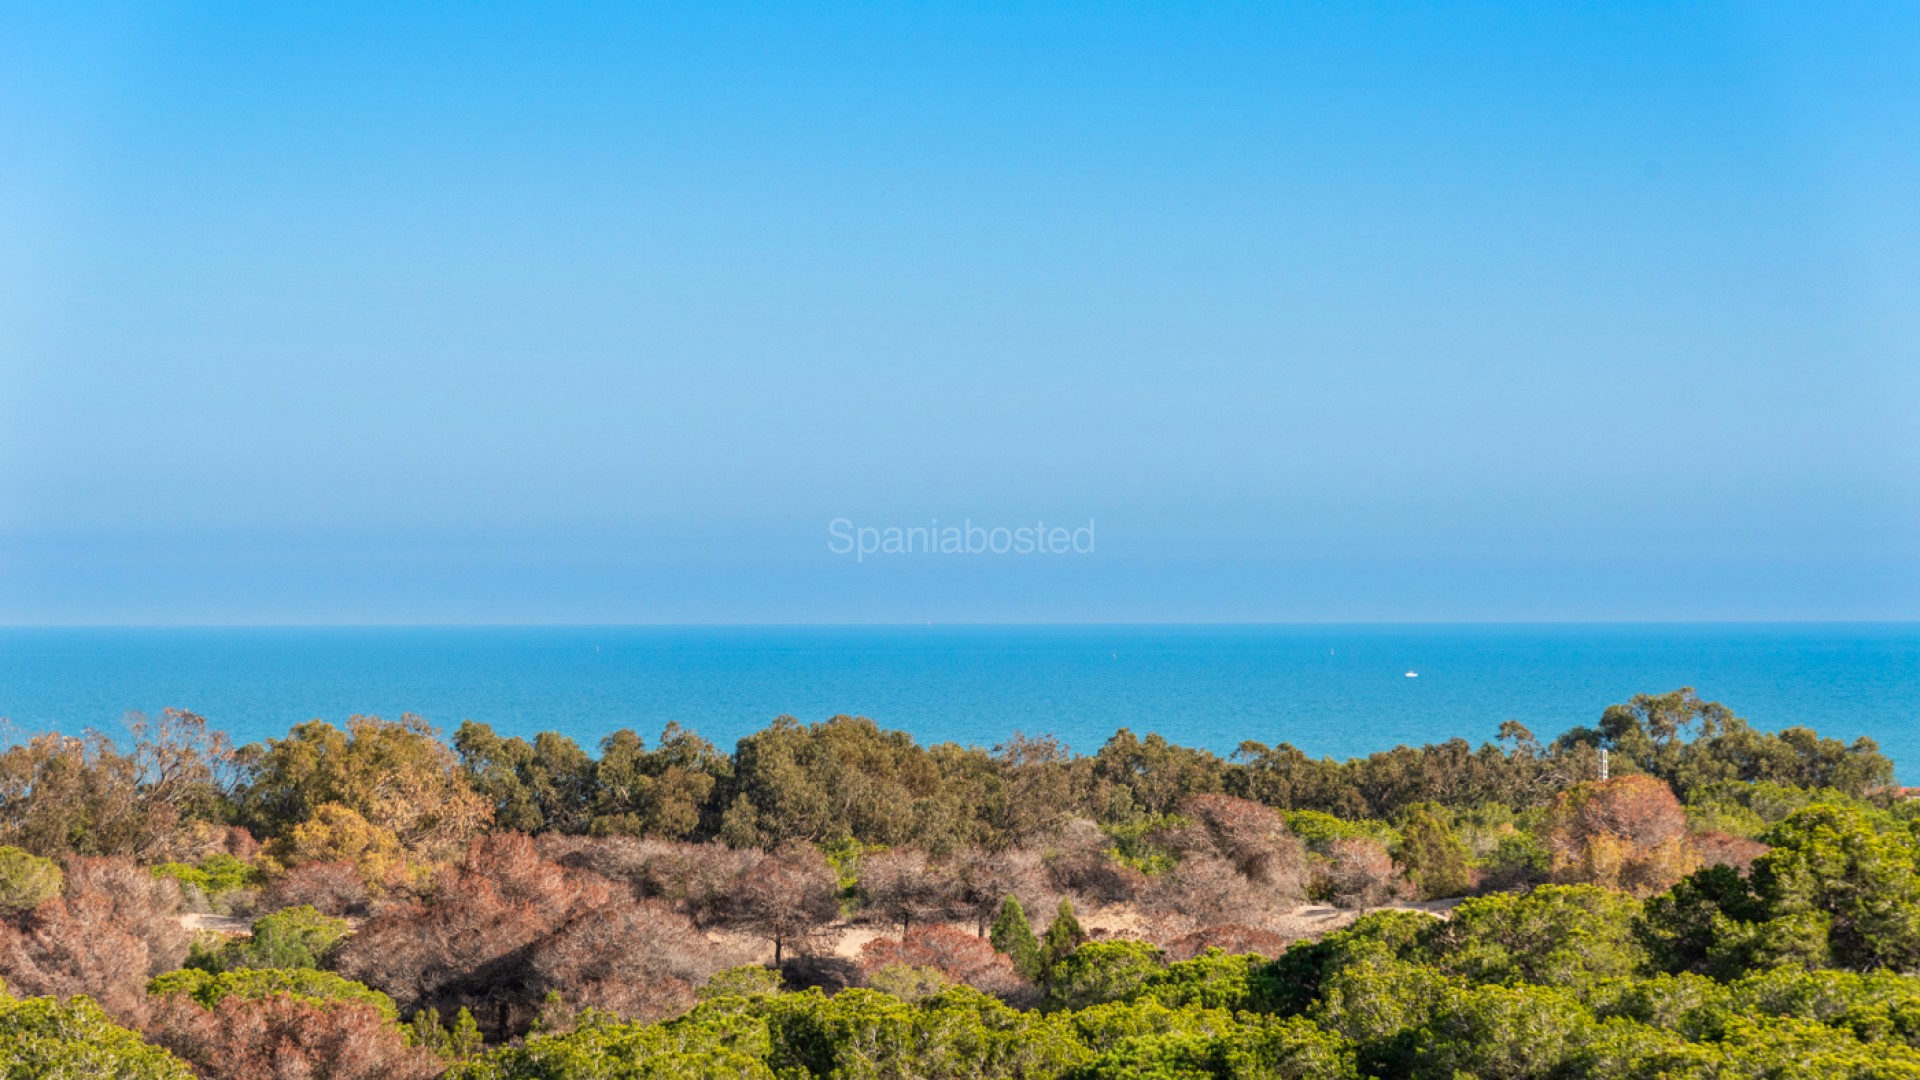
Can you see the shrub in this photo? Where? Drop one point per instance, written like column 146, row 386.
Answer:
column 1211, row 980
column 1274, row 1049
column 1518, row 859
column 716, row 1048
column 1628, row 833
column 1318, row 830
column 507, row 926
column 957, row 955
column 1012, row 936
column 246, row 1037
column 1102, row 971
column 457, row 1041
column 332, row 888
column 906, row 982
column 748, row 981
column 1358, row 872
column 208, row 989
column 26, row 880
column 1436, row 861
column 1063, row 935
column 115, row 926
column 57, row 1040
column 1567, row 935
column 215, row 875
column 1254, row 839
column 297, row 937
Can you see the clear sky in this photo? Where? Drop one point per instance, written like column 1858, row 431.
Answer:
column 555, row 313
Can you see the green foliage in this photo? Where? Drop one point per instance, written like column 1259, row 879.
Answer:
column 1213, row 980
column 457, row 1041
column 215, row 875
column 208, row 988
column 1832, row 891
column 45, row 1039
column 1539, row 986
column 1062, row 937
column 1496, row 1031
column 397, row 774
column 1135, row 843
column 552, row 785
column 1012, row 936
column 907, row 982
column 1102, row 971
column 722, row 1047
column 1690, row 744
column 838, row 779
column 296, row 937
column 1133, row 777
column 1561, row 935
column 142, row 797
column 1517, row 858
column 546, row 784
column 748, row 981
column 1318, row 830
column 844, row 856
column 1435, row 860
column 1829, row 860
column 26, row 880
column 1260, row 1049
column 666, row 791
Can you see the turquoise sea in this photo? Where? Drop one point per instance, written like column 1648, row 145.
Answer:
column 1337, row 690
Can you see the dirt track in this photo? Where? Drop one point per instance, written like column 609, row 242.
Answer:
column 1118, row 920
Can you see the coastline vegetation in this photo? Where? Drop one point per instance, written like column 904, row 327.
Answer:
column 1670, row 892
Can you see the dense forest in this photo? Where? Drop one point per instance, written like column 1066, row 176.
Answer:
column 1670, row 892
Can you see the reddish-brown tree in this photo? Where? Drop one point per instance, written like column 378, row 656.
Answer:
column 785, row 897
column 1725, row 849
column 281, row 1036
column 1627, row 833
column 1253, row 837
column 901, row 886
column 114, row 927
column 1079, row 863
column 698, row 879
column 508, row 926
column 332, row 888
column 1205, row 889
column 983, row 879
column 1359, row 873
column 954, row 953
column 638, row 959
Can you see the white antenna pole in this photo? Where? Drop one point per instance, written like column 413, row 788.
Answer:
column 1603, row 764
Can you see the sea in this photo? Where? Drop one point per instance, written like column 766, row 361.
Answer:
column 1336, row 690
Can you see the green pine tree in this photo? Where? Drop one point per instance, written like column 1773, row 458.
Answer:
column 1435, row 860
column 1013, row 935
column 466, row 1041
column 1063, row 936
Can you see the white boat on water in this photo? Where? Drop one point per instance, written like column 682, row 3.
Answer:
column 1413, row 674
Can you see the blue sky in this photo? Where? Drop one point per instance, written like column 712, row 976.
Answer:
column 478, row 313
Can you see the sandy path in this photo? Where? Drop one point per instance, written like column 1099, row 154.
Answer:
column 848, row 938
